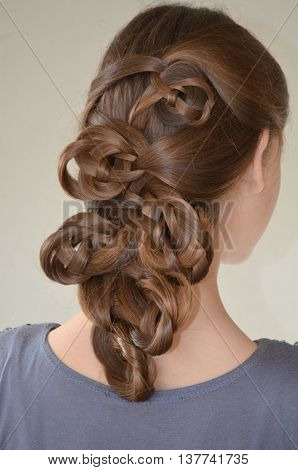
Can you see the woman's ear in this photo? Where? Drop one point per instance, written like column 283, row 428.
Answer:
column 254, row 176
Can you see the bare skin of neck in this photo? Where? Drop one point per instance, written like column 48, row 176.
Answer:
column 209, row 345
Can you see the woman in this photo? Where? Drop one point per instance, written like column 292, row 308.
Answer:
column 178, row 158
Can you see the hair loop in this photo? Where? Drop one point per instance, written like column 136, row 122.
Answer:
column 166, row 89
column 106, row 155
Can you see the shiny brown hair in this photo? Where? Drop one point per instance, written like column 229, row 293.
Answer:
column 171, row 122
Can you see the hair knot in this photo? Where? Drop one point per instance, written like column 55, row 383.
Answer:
column 181, row 92
column 107, row 157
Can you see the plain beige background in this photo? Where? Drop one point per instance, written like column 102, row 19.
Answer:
column 49, row 54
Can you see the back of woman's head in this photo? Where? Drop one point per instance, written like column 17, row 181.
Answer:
column 171, row 122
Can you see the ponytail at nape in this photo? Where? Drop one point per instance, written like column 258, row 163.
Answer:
column 154, row 152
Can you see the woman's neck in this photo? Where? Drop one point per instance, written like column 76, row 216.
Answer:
column 207, row 346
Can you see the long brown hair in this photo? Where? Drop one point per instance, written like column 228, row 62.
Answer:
column 172, row 119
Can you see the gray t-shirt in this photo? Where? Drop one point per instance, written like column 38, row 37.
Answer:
column 44, row 404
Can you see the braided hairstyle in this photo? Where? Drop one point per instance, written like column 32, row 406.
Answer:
column 172, row 119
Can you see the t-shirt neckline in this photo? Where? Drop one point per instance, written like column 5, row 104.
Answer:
column 180, row 393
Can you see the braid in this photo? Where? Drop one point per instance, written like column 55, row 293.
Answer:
column 137, row 244
column 148, row 173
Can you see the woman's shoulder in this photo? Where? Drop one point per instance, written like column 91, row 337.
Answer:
column 25, row 329
column 279, row 352
column 277, row 367
column 15, row 339
column 280, row 349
